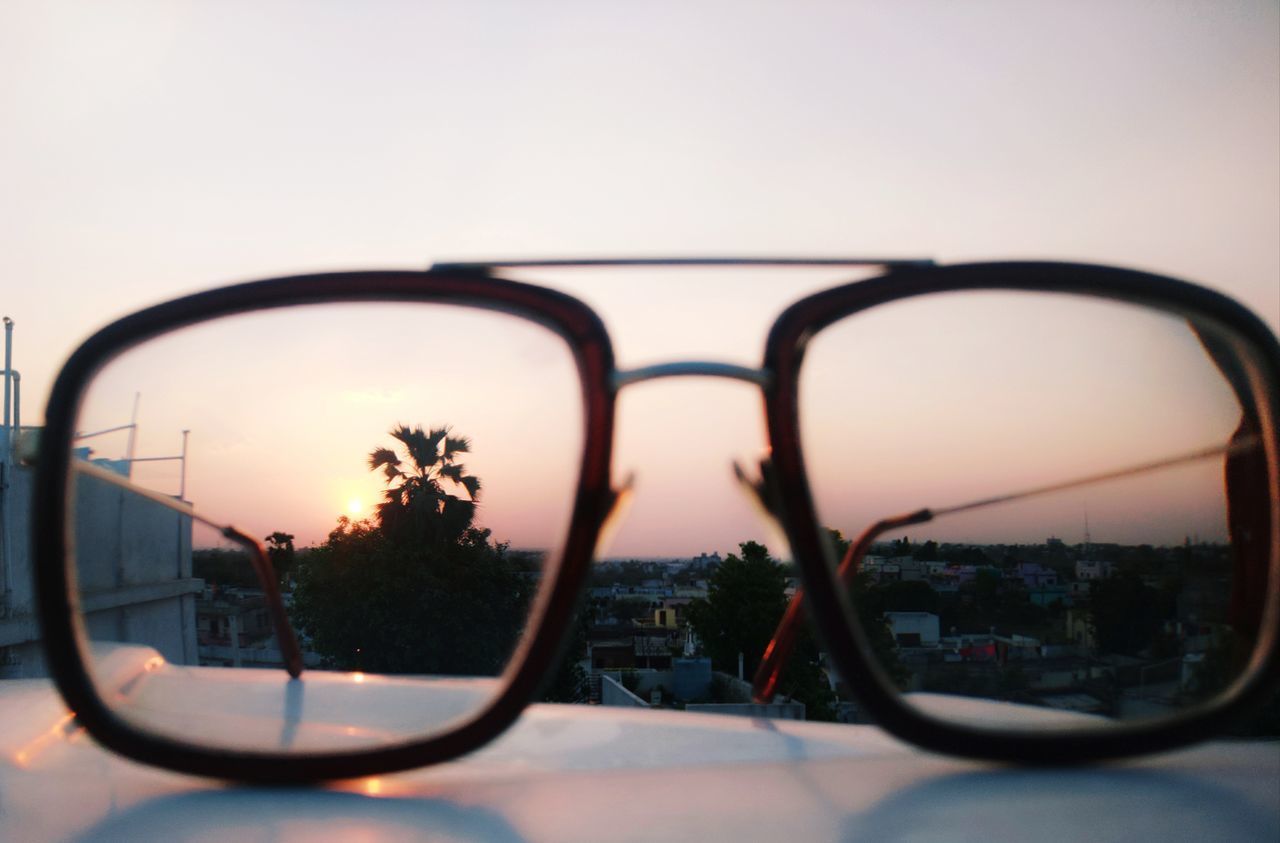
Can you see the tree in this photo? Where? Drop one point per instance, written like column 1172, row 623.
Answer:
column 569, row 683
column 746, row 598
column 909, row 596
column 416, row 503
column 1124, row 612
column 219, row 566
column 419, row 589
column 927, row 552
column 281, row 554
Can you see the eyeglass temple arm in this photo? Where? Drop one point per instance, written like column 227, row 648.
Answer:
column 778, row 652
column 1245, row 478
column 285, row 637
column 289, row 649
column 1247, row 497
column 1248, row 527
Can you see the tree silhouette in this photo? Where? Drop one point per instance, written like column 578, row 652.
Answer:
column 417, row 588
column 746, row 597
column 1126, row 613
column 281, row 553
column 416, row 503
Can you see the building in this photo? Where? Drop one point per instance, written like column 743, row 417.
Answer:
column 913, row 629
column 133, row 565
column 1036, row 576
column 234, row 629
column 1092, row 569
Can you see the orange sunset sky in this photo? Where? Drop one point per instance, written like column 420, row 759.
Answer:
column 152, row 150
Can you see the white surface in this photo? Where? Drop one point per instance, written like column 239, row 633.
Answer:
column 261, row 709
column 576, row 773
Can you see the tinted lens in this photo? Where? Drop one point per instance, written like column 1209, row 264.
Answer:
column 407, row 468
column 1099, row 497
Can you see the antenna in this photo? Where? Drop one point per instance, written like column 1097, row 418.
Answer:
column 1087, row 542
column 182, row 484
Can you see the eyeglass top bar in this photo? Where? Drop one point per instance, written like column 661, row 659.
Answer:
column 716, row 261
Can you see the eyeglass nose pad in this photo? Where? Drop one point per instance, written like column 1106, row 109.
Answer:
column 614, row 514
column 763, row 494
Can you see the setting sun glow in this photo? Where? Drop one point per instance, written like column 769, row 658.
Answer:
column 354, row 507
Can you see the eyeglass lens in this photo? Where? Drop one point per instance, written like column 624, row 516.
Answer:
column 407, row 468
column 1075, row 455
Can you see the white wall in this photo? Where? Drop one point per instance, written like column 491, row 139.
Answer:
column 612, row 693
column 133, row 561
column 923, row 624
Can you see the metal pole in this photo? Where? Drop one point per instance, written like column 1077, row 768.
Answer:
column 102, row 432
column 6, row 467
column 233, row 622
column 133, row 432
column 182, row 483
column 8, row 365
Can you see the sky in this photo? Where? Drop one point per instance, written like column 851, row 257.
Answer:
column 155, row 149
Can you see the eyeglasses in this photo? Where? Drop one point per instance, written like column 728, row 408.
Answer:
column 1086, row 460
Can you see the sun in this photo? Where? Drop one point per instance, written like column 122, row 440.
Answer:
column 354, row 506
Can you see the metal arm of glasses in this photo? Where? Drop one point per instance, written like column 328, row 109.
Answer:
column 780, row 647
column 485, row 266
column 289, row 649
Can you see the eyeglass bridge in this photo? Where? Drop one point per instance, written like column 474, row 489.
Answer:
column 565, row 263
column 690, row 368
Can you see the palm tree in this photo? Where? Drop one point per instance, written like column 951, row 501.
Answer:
column 416, row 502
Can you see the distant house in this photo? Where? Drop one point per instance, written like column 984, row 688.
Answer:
column 612, row 654
column 1080, row 628
column 233, row 618
column 234, row 629
column 913, row 569
column 944, row 578
column 1092, row 569
column 1048, row 595
column 1036, row 576
column 1016, row 647
column 913, row 629
column 652, row 652
column 707, row 560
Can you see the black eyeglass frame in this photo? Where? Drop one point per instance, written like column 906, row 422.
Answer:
column 474, row 285
column 1200, row 306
